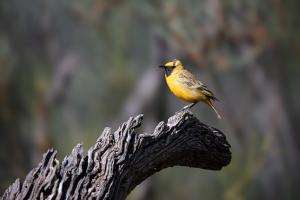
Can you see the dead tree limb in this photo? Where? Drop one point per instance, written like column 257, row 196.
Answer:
column 121, row 160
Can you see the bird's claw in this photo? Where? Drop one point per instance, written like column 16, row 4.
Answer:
column 186, row 108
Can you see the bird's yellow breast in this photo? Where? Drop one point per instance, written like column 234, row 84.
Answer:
column 191, row 95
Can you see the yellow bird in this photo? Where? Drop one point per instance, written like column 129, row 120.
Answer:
column 185, row 86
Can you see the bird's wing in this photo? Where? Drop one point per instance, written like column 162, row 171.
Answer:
column 188, row 80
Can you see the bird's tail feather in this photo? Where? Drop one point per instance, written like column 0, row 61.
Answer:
column 212, row 106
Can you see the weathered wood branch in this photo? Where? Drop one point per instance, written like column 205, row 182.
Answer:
column 121, row 160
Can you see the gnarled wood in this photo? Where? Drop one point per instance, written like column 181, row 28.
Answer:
column 120, row 160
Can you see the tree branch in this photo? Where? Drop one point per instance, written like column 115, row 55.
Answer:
column 119, row 161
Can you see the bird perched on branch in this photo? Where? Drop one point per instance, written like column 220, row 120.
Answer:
column 185, row 86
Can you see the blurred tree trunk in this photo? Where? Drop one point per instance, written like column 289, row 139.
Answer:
column 15, row 99
column 15, row 146
column 27, row 96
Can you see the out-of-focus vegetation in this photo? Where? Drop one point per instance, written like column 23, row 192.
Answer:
column 69, row 68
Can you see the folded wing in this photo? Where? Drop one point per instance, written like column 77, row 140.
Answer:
column 188, row 80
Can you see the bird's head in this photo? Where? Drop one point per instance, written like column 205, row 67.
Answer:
column 170, row 66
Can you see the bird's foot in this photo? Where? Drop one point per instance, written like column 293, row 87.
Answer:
column 187, row 107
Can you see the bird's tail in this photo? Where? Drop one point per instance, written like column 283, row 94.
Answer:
column 212, row 106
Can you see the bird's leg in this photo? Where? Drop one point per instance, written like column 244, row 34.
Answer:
column 188, row 107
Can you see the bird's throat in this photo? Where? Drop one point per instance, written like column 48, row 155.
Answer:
column 168, row 70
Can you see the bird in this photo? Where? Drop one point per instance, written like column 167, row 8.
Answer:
column 184, row 85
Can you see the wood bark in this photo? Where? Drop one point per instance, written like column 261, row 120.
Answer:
column 121, row 160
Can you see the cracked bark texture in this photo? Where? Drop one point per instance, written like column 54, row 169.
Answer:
column 121, row 160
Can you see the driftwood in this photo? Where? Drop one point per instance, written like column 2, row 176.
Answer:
column 121, row 160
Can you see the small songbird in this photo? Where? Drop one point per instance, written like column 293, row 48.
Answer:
column 185, row 86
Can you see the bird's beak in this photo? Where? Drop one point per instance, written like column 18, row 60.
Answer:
column 161, row 66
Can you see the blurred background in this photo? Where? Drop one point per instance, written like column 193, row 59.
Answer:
column 70, row 68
